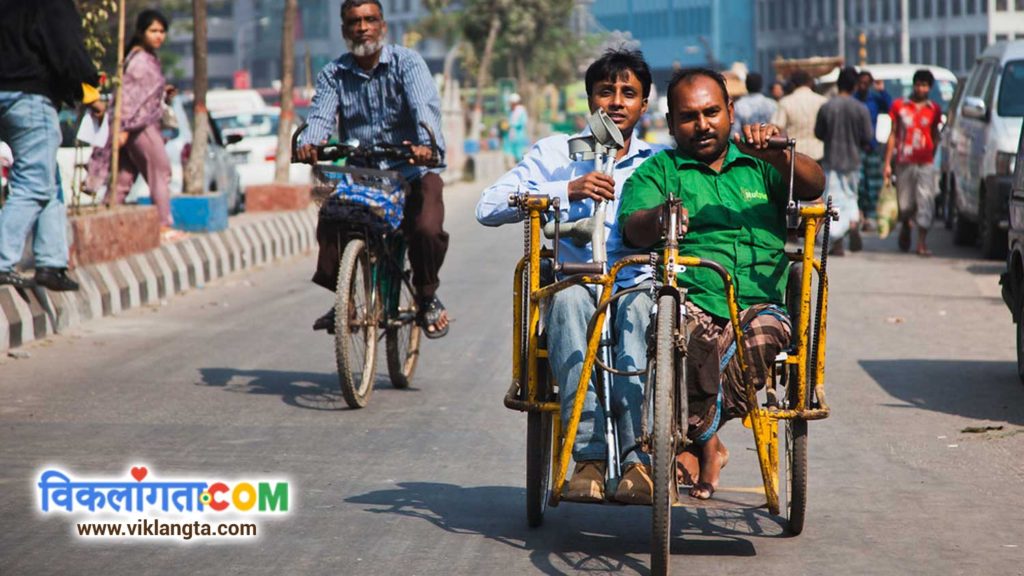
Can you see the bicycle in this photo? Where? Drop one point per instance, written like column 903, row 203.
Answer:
column 374, row 296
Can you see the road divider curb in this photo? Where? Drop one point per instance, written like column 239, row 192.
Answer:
column 146, row 279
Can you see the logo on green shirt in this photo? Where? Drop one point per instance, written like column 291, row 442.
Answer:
column 749, row 194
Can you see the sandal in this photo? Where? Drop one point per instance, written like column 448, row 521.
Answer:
column 430, row 313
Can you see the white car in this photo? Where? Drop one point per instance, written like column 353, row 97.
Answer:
column 220, row 171
column 256, row 152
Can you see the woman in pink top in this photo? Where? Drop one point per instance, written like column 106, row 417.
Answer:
column 140, row 141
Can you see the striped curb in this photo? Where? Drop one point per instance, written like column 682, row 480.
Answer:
column 109, row 288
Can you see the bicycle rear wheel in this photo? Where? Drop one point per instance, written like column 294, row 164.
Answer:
column 403, row 334
column 356, row 315
column 664, row 453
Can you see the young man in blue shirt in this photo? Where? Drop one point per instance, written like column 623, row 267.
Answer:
column 618, row 83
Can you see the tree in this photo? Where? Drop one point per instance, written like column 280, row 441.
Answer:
column 529, row 38
column 195, row 178
column 284, row 128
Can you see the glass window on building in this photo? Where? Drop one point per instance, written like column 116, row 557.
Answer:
column 872, row 11
column 311, row 16
column 914, row 14
column 1019, row 4
column 955, row 55
column 971, row 6
column 926, row 51
column 915, row 50
column 220, row 46
column 1001, row 6
column 983, row 6
column 956, row 8
column 970, row 51
column 940, row 9
column 1002, row 37
column 941, row 56
column 926, row 8
column 887, row 11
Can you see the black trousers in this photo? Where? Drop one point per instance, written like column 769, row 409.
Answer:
column 423, row 226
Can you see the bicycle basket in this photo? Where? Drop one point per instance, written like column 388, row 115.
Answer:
column 382, row 192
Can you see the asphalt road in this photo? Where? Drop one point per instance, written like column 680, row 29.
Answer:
column 229, row 382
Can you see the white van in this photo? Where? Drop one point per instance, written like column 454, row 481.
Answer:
column 227, row 100
column 983, row 146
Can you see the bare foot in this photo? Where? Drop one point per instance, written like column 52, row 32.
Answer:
column 688, row 465
column 714, row 457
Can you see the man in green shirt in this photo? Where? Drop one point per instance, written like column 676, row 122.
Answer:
column 735, row 197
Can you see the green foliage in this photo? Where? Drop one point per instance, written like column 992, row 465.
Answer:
column 99, row 22
column 534, row 40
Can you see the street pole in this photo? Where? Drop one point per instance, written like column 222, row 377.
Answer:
column 841, row 23
column 115, row 128
column 905, row 31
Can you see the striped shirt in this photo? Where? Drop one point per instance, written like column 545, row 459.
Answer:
column 383, row 105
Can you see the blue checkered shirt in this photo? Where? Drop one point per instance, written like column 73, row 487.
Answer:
column 384, row 105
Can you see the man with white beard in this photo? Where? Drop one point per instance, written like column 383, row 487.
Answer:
column 379, row 93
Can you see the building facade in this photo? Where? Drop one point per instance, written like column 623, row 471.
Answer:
column 680, row 33
column 947, row 33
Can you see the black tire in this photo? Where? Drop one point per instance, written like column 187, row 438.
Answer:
column 965, row 233
column 1020, row 338
column 993, row 240
column 794, row 438
column 356, row 316
column 538, row 455
column 664, row 454
column 403, row 335
column 949, row 202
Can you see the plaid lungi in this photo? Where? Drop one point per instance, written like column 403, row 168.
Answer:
column 871, row 182
column 715, row 388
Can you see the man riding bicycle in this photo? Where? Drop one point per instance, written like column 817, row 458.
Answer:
column 379, row 93
column 736, row 199
column 619, row 83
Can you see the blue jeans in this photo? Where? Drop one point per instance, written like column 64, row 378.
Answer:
column 28, row 124
column 567, row 317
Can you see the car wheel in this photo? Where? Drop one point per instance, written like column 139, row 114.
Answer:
column 1020, row 337
column 993, row 240
column 964, row 232
column 949, row 202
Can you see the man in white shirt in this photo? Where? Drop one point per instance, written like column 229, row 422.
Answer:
column 797, row 114
column 618, row 83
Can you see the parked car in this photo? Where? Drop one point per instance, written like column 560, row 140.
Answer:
column 220, row 171
column 1013, row 279
column 944, row 203
column 984, row 143
column 223, row 100
column 257, row 150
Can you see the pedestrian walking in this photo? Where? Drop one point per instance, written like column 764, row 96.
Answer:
column 518, row 141
column 798, row 112
column 755, row 107
column 44, row 65
column 844, row 126
column 144, row 94
column 873, row 95
column 915, row 132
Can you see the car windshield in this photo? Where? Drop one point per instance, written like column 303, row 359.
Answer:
column 248, row 125
column 1011, row 90
column 942, row 90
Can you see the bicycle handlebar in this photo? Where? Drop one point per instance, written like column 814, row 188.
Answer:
column 385, row 151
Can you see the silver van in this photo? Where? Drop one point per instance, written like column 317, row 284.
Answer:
column 983, row 148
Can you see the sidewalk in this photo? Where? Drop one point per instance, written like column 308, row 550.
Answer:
column 148, row 278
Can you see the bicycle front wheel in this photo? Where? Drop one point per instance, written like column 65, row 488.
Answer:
column 663, row 436
column 356, row 315
column 403, row 334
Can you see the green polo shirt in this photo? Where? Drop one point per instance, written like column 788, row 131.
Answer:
column 737, row 219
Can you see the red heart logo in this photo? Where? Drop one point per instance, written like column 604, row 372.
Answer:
column 139, row 472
